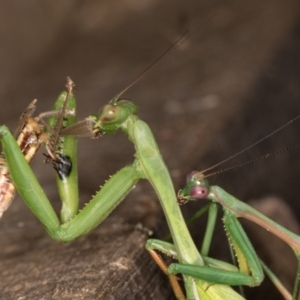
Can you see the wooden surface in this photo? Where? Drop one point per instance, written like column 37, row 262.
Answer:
column 228, row 86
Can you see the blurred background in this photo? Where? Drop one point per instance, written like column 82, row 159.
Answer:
column 232, row 83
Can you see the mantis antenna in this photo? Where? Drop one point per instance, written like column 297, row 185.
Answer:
column 176, row 45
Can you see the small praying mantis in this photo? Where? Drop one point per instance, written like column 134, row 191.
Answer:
column 198, row 188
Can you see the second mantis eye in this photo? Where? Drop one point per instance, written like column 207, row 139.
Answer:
column 199, row 192
column 110, row 113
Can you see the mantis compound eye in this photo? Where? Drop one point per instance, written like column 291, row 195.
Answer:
column 199, row 192
column 110, row 113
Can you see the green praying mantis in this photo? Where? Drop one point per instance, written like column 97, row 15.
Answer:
column 204, row 277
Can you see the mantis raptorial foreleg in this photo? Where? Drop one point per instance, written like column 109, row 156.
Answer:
column 63, row 154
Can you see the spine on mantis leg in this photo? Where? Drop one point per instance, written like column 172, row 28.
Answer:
column 65, row 157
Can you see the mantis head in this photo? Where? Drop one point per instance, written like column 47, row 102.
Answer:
column 112, row 117
column 197, row 187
